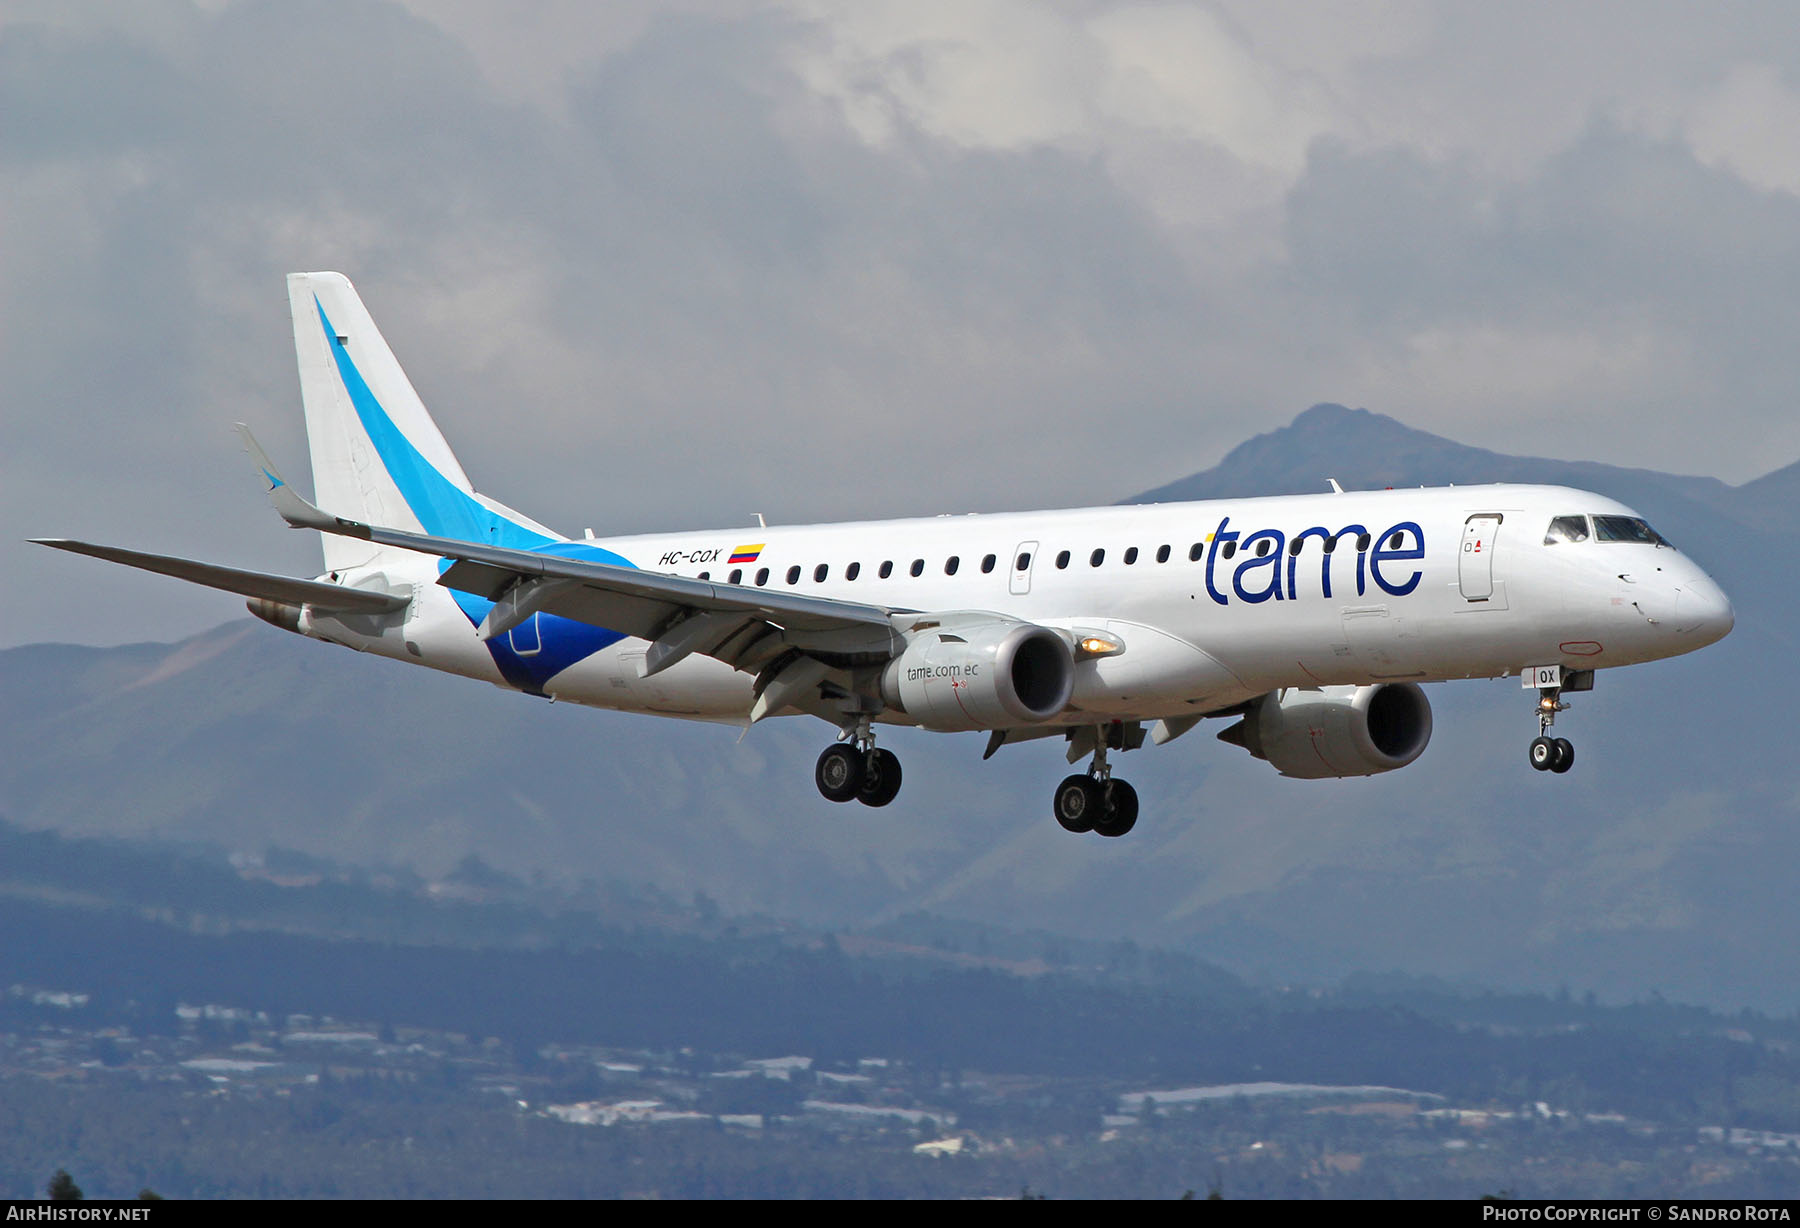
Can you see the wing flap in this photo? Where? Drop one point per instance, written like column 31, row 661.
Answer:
column 479, row 579
column 635, row 615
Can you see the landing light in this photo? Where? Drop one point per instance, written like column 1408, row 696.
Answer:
column 1098, row 646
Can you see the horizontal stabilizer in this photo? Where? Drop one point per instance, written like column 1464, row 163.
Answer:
column 316, row 593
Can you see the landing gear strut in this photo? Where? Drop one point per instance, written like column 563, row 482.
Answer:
column 1094, row 801
column 1550, row 754
column 858, row 769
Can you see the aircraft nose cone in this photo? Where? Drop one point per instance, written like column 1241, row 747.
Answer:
column 1704, row 611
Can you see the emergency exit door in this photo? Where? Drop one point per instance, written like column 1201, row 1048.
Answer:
column 1024, row 557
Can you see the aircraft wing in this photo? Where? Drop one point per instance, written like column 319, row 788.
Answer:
column 316, row 593
column 744, row 627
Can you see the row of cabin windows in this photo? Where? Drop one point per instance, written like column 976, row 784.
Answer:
column 1023, row 563
column 822, row 572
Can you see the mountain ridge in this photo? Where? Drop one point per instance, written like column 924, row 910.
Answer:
column 1384, row 452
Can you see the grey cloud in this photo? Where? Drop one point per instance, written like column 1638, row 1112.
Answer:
column 68, row 96
column 1620, row 232
column 694, row 292
column 1618, row 219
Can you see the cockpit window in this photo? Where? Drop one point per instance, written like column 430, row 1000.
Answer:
column 1626, row 529
column 1567, row 529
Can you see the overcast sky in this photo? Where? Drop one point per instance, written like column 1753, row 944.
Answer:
column 659, row 265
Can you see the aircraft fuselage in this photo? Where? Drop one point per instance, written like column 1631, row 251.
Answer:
column 1213, row 602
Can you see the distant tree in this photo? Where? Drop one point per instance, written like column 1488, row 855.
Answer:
column 1215, row 1192
column 62, row 1187
column 149, row 1195
column 1147, row 1116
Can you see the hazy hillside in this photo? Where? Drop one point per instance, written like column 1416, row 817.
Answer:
column 1661, row 862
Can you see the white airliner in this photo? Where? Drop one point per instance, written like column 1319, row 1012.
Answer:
column 1309, row 620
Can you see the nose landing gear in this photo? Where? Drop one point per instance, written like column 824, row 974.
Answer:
column 1548, row 754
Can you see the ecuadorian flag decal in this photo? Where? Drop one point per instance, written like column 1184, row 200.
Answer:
column 747, row 554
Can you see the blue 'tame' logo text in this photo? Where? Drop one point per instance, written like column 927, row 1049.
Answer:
column 1261, row 576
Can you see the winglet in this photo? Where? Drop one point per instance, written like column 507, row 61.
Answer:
column 298, row 513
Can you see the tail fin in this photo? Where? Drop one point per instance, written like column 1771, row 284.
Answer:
column 377, row 456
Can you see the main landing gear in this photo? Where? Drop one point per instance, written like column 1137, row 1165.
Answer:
column 857, row 769
column 1550, row 754
column 1094, row 801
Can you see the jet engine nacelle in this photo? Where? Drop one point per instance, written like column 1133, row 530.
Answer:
column 1337, row 730
column 988, row 674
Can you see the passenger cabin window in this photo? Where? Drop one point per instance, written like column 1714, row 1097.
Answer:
column 853, row 571
column 887, row 568
column 987, row 563
column 1229, row 549
column 1162, row 554
column 918, row 567
column 762, row 576
column 1362, row 542
column 1626, row 529
column 1195, row 551
column 1566, row 529
column 951, row 564
column 1265, row 545
column 737, row 575
column 820, row 572
column 705, row 575
column 794, row 574
column 1130, row 556
column 1096, row 558
column 1062, row 560
column 1023, row 562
